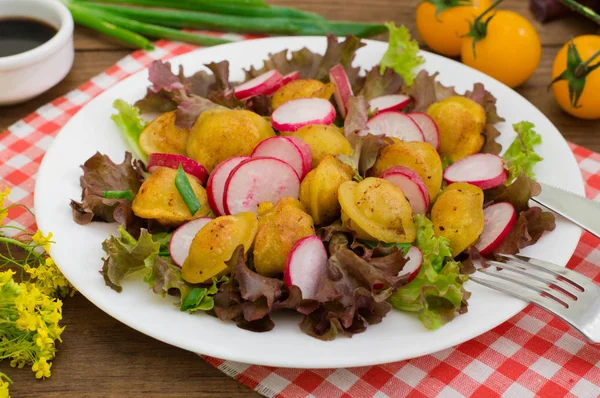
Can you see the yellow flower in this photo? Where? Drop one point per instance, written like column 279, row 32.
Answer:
column 41, row 240
column 28, row 321
column 48, row 278
column 41, row 368
column 4, row 383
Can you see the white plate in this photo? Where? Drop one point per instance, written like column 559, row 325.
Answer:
column 400, row 336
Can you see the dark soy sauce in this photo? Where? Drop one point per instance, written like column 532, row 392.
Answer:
column 18, row 35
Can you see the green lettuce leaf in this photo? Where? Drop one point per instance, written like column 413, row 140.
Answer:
column 131, row 125
column 520, row 157
column 201, row 298
column 402, row 53
column 126, row 255
column 437, row 292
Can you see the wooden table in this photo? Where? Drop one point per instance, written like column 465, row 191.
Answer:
column 102, row 357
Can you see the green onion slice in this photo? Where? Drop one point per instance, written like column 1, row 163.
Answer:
column 128, row 194
column 185, row 190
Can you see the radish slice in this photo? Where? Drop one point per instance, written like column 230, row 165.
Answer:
column 393, row 102
column 499, row 219
column 306, row 153
column 411, row 184
column 305, row 265
column 295, row 75
column 182, row 238
column 259, row 85
column 482, row 169
column 286, row 79
column 259, row 180
column 428, row 127
column 285, row 149
column 215, row 188
column 302, row 112
column 394, row 124
column 190, row 166
column 413, row 265
column 343, row 89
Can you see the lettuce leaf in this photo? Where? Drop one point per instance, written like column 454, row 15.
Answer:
column 129, row 121
column 126, row 255
column 402, row 53
column 101, row 174
column 520, row 157
column 437, row 292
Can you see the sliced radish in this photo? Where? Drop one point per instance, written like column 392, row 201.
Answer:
column 393, row 102
column 215, row 188
column 190, row 166
column 302, row 112
column 413, row 265
column 499, row 219
column 182, row 238
column 285, row 149
column 394, row 124
column 259, row 85
column 285, row 80
column 306, row 153
column 295, row 75
column 343, row 89
column 482, row 169
column 411, row 184
column 428, row 127
column 259, row 180
column 305, row 265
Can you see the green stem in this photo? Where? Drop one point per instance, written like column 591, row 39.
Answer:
column 219, row 7
column 99, row 25
column 156, row 31
column 490, row 8
column 585, row 11
column 193, row 19
column 590, row 59
column 582, row 69
column 22, row 245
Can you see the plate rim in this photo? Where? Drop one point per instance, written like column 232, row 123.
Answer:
column 239, row 357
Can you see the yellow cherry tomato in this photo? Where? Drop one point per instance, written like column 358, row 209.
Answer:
column 442, row 32
column 510, row 50
column 587, row 106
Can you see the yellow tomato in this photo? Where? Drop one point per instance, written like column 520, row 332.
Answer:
column 442, row 32
column 588, row 104
column 509, row 51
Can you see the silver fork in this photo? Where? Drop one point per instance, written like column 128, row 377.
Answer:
column 565, row 293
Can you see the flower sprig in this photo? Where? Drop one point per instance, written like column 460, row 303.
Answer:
column 30, row 307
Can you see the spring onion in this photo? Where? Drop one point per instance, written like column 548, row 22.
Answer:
column 194, row 19
column 127, row 194
column 99, row 25
column 152, row 30
column 218, row 7
column 185, row 190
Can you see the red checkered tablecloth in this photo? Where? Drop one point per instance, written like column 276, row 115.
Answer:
column 532, row 354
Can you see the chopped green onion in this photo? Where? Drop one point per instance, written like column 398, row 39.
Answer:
column 126, row 36
column 185, row 190
column 153, row 30
column 128, row 194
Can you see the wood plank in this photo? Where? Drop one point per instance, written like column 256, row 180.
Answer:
column 101, row 357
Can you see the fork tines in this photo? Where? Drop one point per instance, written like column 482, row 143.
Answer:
column 567, row 294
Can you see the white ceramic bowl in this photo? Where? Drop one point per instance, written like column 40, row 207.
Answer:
column 26, row 75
